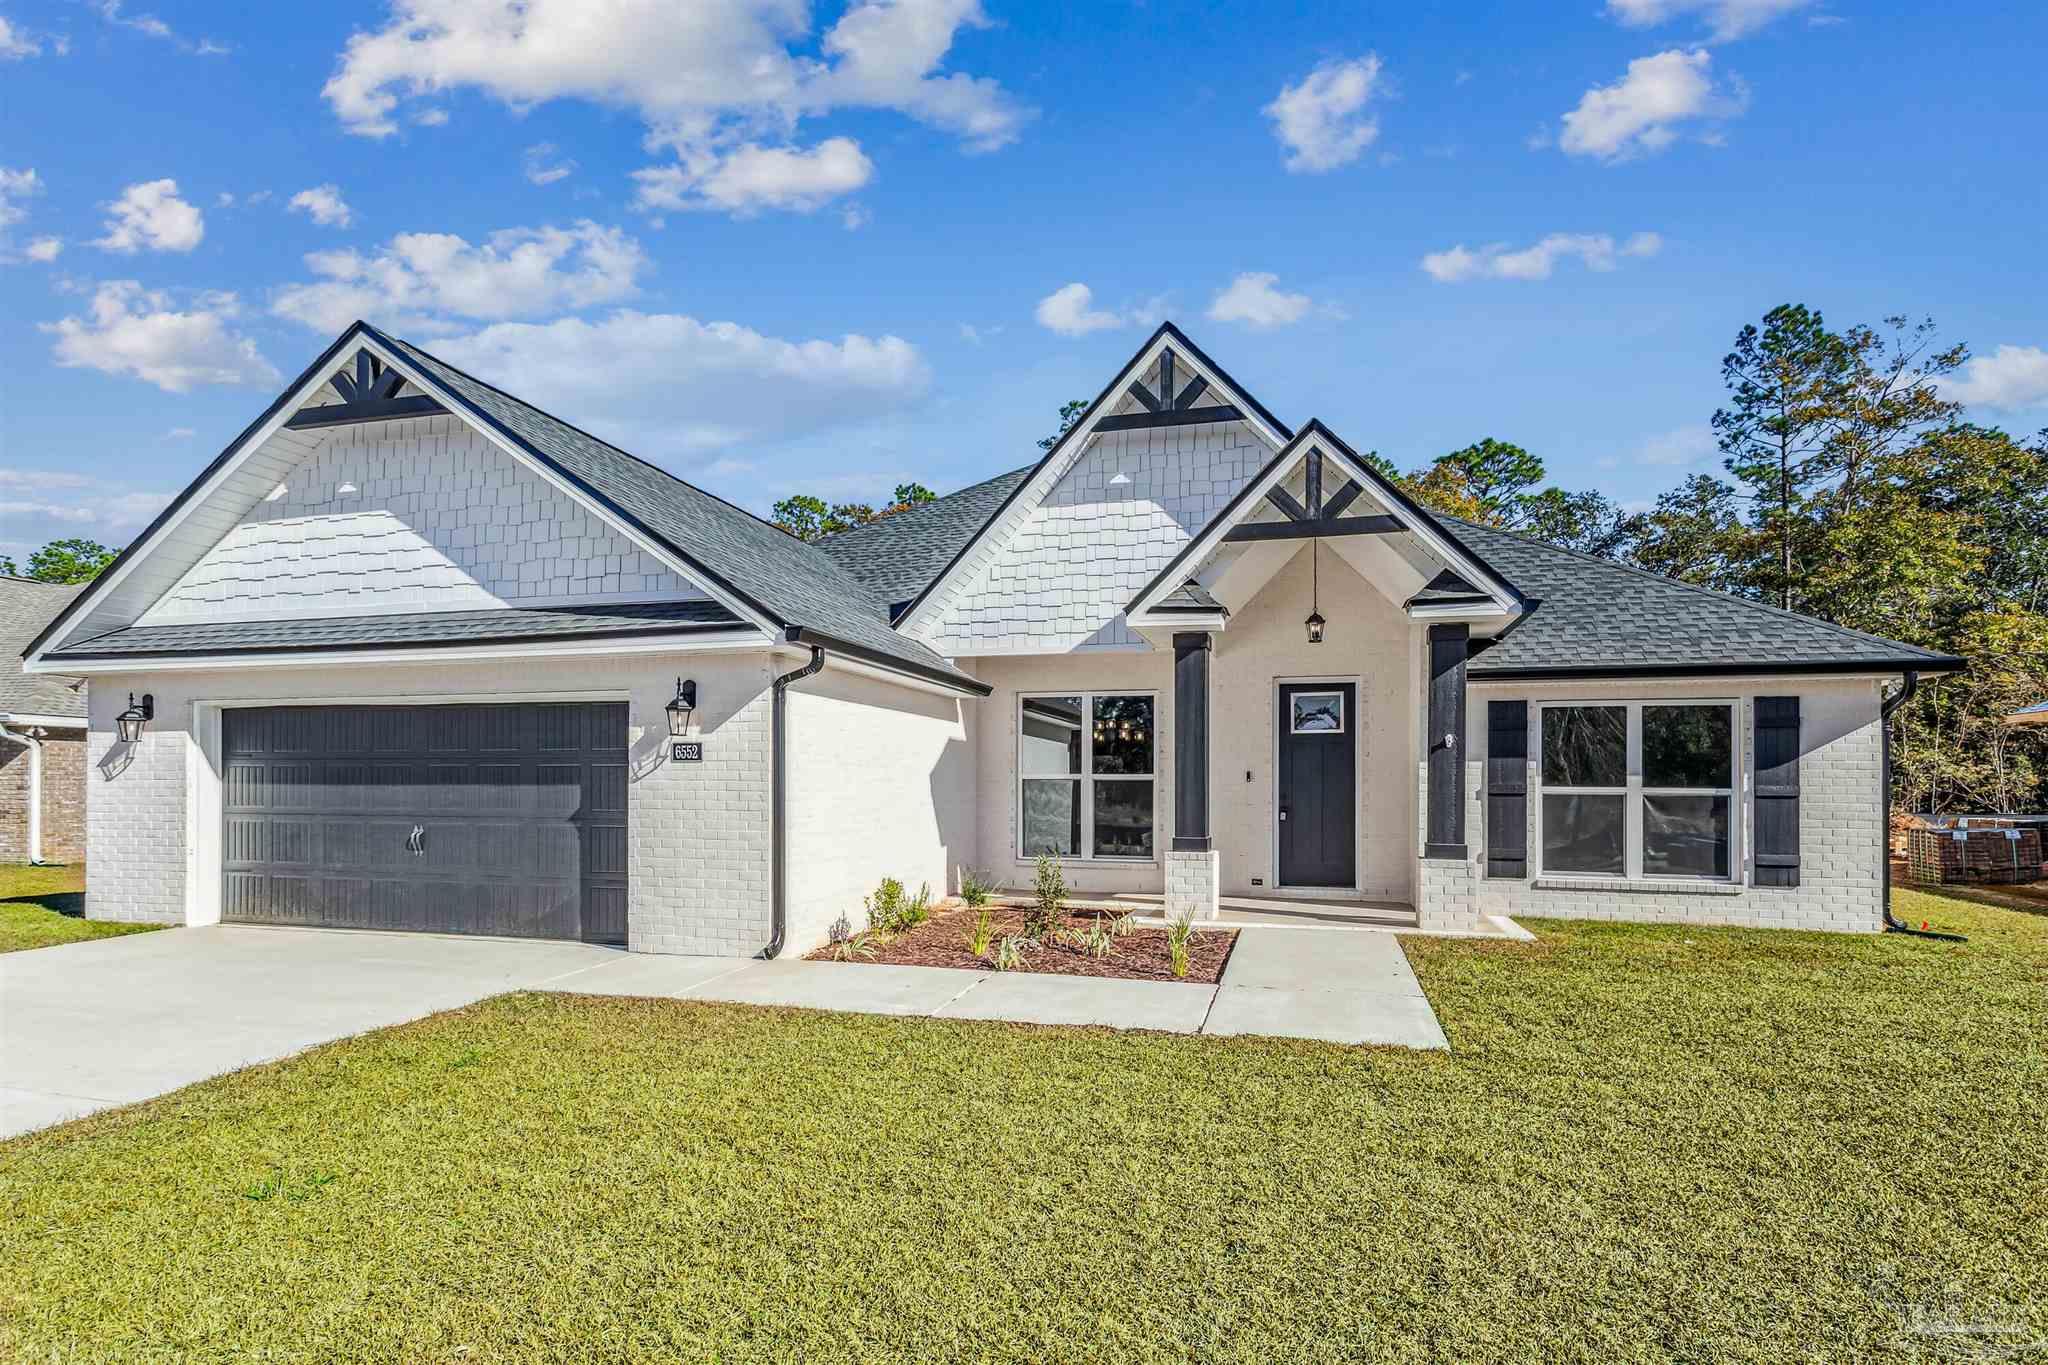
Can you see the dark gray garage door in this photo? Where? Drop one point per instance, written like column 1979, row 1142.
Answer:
column 455, row 819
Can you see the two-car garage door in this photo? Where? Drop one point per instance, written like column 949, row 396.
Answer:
column 498, row 819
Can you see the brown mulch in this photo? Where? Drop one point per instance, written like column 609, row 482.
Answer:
column 1140, row 955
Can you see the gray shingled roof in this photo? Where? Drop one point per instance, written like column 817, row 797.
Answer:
column 1190, row 596
column 794, row 584
column 897, row 556
column 26, row 606
column 1586, row 614
column 398, row 630
column 1446, row 587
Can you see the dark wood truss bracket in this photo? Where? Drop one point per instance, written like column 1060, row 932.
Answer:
column 1315, row 517
column 1169, row 408
column 369, row 395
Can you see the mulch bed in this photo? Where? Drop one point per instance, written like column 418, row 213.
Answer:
column 1140, row 955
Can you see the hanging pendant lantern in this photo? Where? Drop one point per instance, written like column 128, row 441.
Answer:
column 1315, row 622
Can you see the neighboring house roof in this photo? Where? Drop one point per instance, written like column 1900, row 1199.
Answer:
column 1586, row 616
column 26, row 606
column 895, row 557
column 405, row 629
column 2037, row 714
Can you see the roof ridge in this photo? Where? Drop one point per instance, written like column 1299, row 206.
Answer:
column 1668, row 581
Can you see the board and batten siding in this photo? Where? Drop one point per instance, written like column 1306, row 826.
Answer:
column 1057, row 576
column 697, row 833
column 423, row 514
column 1841, row 824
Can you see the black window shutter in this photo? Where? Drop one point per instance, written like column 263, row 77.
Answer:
column 1507, row 789
column 1777, row 791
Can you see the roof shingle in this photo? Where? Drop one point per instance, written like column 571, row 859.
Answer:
column 26, row 606
column 898, row 555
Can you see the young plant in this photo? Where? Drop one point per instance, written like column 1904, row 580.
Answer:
column 1010, row 953
column 1122, row 925
column 1179, row 935
column 1100, row 940
column 982, row 932
column 886, row 907
column 919, row 909
column 1049, row 905
column 854, row 946
column 976, row 887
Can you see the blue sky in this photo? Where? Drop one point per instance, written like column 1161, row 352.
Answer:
column 776, row 247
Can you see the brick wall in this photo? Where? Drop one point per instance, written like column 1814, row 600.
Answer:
column 64, row 797
column 423, row 514
column 13, row 803
column 697, row 835
column 1841, row 828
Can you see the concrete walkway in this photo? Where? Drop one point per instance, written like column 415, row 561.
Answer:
column 89, row 1026
column 1336, row 987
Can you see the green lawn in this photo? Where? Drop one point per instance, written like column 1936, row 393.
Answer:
column 1646, row 1143
column 40, row 906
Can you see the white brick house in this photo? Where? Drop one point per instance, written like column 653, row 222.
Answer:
column 412, row 654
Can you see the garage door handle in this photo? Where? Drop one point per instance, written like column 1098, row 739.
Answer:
column 416, row 842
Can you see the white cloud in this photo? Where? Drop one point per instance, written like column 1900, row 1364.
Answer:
column 324, row 205
column 2011, row 378
column 151, row 216
column 1322, row 120
column 1725, row 19
column 543, row 167
column 670, row 384
column 149, row 24
column 422, row 279
column 17, row 43
column 16, row 186
column 1070, row 310
column 44, row 249
column 38, row 505
column 430, row 117
column 714, row 80
column 1678, row 448
column 854, row 217
column 750, row 178
column 1253, row 299
column 1499, row 261
column 1640, row 112
column 139, row 332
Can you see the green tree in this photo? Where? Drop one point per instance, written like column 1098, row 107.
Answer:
column 1070, row 413
column 812, row 518
column 1498, row 477
column 72, row 560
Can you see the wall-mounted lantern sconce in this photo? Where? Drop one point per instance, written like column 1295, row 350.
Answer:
column 679, row 709
column 131, row 721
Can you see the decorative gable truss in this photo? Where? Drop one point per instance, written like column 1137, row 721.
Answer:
column 283, row 515
column 1390, row 541
column 1151, row 461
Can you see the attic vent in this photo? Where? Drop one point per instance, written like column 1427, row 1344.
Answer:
column 274, row 494
column 343, row 490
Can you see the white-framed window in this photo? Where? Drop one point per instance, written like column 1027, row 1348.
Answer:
column 1638, row 789
column 1087, row 773
column 1316, row 713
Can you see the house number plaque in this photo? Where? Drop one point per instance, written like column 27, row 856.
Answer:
column 687, row 751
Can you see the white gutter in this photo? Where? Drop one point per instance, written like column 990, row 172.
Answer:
column 27, row 740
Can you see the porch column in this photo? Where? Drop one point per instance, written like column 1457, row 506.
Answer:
column 1192, row 872
column 1446, row 737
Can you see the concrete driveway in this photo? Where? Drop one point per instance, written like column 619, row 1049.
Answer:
column 92, row 1025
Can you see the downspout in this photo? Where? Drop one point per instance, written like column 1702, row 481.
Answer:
column 1892, row 703
column 777, row 800
column 27, row 740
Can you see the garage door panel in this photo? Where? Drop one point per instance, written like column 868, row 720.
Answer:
column 521, row 813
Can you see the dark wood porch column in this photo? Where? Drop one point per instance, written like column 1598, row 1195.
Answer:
column 1446, row 738
column 1191, row 742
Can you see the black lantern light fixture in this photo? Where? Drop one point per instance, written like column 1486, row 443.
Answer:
column 680, row 708
column 131, row 721
column 1315, row 620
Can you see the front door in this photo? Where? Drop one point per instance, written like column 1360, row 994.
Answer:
column 1318, row 788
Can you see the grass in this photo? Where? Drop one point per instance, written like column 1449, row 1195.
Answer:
column 1647, row 1143
column 41, row 906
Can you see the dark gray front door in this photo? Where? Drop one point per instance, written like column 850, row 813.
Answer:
column 454, row 819
column 1318, row 786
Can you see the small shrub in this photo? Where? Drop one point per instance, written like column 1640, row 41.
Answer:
column 861, row 946
column 841, row 930
column 886, row 906
column 1100, row 940
column 1179, row 934
column 982, row 932
column 1122, row 925
column 1050, row 904
column 919, row 909
column 976, row 887
column 1010, row 952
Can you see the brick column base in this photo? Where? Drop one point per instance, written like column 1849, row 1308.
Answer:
column 1193, row 882
column 1447, row 894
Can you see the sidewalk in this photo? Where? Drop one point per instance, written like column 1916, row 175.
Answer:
column 1338, row 988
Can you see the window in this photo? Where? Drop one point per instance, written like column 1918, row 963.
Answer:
column 1317, row 713
column 1086, row 775
column 1638, row 789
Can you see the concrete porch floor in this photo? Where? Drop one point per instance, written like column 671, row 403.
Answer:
column 1285, row 912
